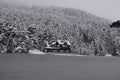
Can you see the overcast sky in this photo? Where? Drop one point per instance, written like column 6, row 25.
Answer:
column 109, row 9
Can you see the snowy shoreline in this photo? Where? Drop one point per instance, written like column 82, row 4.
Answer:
column 37, row 52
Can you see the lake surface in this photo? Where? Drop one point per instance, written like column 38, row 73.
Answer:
column 51, row 67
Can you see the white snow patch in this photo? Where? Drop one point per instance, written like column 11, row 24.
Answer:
column 68, row 55
column 108, row 55
column 35, row 51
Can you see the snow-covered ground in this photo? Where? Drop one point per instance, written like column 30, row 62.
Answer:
column 35, row 51
column 68, row 54
column 108, row 55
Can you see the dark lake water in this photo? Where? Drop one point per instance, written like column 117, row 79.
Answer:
column 50, row 67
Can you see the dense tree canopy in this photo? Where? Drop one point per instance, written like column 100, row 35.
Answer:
column 87, row 33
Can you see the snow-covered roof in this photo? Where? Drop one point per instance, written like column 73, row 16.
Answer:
column 53, row 43
column 68, row 42
column 63, row 42
column 60, row 41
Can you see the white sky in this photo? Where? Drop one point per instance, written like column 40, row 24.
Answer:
column 109, row 9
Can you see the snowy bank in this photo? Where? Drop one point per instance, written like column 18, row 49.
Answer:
column 108, row 55
column 35, row 51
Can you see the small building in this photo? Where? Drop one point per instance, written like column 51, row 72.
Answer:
column 58, row 45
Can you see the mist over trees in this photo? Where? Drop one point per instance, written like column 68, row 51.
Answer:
column 87, row 33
